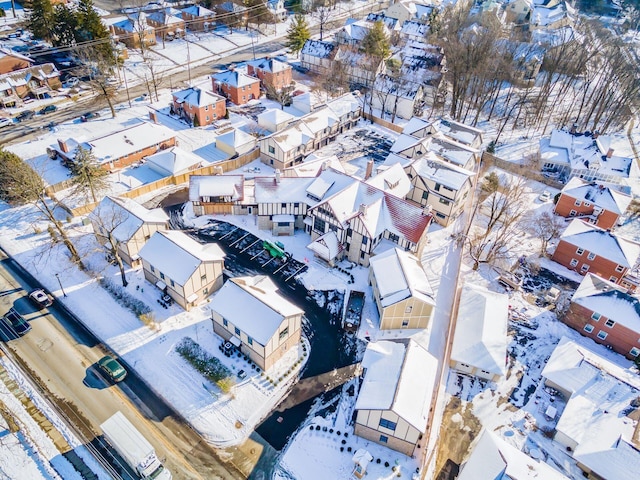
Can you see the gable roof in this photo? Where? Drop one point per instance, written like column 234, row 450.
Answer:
column 393, row 180
column 198, row 11
column 269, row 65
column 197, row 97
column 234, row 78
column 177, row 255
column 609, row 300
column 597, row 194
column 174, row 160
column 124, row 217
column 481, row 329
column 231, row 186
column 254, row 305
column 308, row 190
column 5, row 52
column 494, row 459
column 318, row 48
column 447, row 174
column 399, row 276
column 593, row 239
column 400, row 379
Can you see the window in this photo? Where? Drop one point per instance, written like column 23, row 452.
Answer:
column 384, row 423
column 579, row 251
column 425, row 195
column 384, row 439
column 349, row 232
column 365, row 240
column 319, row 225
column 205, row 291
column 609, row 323
column 577, row 203
column 595, row 316
column 444, row 201
column 152, row 269
column 162, row 275
column 236, row 330
column 207, row 118
column 405, row 323
column 572, row 213
column 408, row 309
column 587, row 204
column 172, row 283
column 634, row 352
column 588, row 328
column 584, row 268
column 284, row 333
column 573, row 262
column 602, row 335
column 250, row 340
column 619, row 268
column 225, row 322
column 203, row 278
column 283, row 205
column 591, row 256
column 206, row 108
column 272, row 150
column 438, row 187
column 613, row 279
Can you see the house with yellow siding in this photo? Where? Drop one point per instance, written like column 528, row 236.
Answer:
column 182, row 268
column 401, row 290
column 251, row 314
column 393, row 404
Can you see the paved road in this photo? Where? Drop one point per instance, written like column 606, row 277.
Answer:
column 62, row 356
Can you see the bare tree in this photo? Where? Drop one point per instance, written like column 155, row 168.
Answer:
column 545, row 227
column 281, row 95
column 335, row 81
column 324, row 15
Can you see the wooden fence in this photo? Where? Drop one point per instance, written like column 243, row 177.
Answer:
column 384, row 123
column 527, row 171
column 213, row 169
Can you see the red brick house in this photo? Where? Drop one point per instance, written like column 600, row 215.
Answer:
column 586, row 248
column 194, row 103
column 592, row 202
column 606, row 313
column 271, row 71
column 31, row 82
column 11, row 61
column 236, row 86
column 198, row 18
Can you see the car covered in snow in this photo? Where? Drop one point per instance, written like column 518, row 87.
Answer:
column 39, row 298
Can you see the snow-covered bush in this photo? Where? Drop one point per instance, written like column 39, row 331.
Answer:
column 206, row 364
column 125, row 298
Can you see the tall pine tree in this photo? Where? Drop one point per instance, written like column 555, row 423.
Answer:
column 297, row 34
column 65, row 26
column 40, row 20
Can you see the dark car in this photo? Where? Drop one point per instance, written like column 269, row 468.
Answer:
column 16, row 323
column 47, row 109
column 88, row 116
column 25, row 115
column 112, row 368
column 40, row 298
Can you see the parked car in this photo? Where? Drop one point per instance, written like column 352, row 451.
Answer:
column 16, row 323
column 88, row 116
column 5, row 122
column 25, row 115
column 40, row 298
column 71, row 82
column 47, row 109
column 112, row 368
column 545, row 196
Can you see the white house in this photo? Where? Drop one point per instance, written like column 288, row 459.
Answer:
column 251, row 314
column 274, row 119
column 174, row 161
column 316, row 56
column 235, row 142
column 480, row 341
column 393, row 404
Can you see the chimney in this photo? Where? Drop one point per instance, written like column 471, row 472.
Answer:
column 596, row 134
column 574, row 129
column 610, row 153
column 63, row 145
column 153, row 116
column 324, row 165
column 277, row 175
column 369, row 171
column 362, row 209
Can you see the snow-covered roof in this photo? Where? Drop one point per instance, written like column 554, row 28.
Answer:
column 20, row 77
column 214, row 186
column 198, row 11
column 414, row 29
column 197, row 97
column 356, row 31
column 392, row 180
column 595, row 417
column 177, row 255
column 597, row 194
column 481, row 329
column 494, row 459
column 460, row 132
column 123, row 217
column 609, row 300
column 135, row 23
column 423, row 10
column 318, row 49
column 234, row 78
column 601, row 242
column 5, row 52
column 326, row 246
column 544, row 16
column 292, row 137
column 447, row 174
column 399, row 275
column 400, row 379
column 296, row 189
column 274, row 116
column 269, row 65
column 580, row 151
column 173, row 161
column 254, row 305
column 378, row 211
column 313, row 165
column 396, row 86
column 390, row 22
column 232, row 7
column 236, row 138
column 166, row 16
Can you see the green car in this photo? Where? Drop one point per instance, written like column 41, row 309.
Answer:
column 112, row 368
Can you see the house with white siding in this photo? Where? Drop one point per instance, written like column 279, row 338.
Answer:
column 182, row 268
column 251, row 314
column 393, row 404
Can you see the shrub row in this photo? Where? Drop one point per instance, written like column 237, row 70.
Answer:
column 125, row 298
column 206, row 364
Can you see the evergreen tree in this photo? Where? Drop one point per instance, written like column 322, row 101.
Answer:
column 65, row 26
column 297, row 34
column 90, row 26
column 376, row 42
column 40, row 20
column 87, row 174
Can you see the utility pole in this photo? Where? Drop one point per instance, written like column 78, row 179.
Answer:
column 64, row 294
